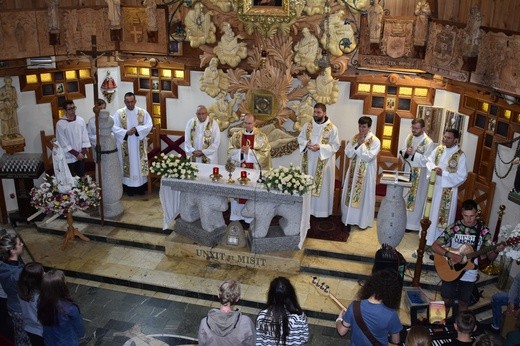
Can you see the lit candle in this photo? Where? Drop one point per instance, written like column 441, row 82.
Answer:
column 243, row 174
column 429, row 196
column 215, row 171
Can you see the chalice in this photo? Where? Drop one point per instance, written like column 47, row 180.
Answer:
column 230, row 168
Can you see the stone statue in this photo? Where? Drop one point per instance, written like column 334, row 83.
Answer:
column 324, row 89
column 422, row 11
column 304, row 112
column 229, row 50
column 473, row 34
column 308, row 51
column 114, row 13
column 224, row 5
column 313, row 7
column 375, row 18
column 222, row 111
column 214, row 82
column 64, row 179
column 199, row 28
column 337, row 30
column 151, row 14
column 52, row 12
column 8, row 106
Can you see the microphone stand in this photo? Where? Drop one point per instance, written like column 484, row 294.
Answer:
column 261, row 178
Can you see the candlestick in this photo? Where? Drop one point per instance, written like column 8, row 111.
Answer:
column 243, row 174
column 215, row 170
column 429, row 196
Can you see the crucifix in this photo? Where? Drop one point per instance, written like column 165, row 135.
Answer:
column 94, row 56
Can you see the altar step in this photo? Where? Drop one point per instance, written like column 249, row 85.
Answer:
column 114, row 248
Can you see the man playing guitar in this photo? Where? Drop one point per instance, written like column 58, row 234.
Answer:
column 462, row 238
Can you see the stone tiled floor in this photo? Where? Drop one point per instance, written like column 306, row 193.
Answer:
column 113, row 273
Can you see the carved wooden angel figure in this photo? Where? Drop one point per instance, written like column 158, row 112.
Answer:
column 199, row 28
column 313, row 7
column 307, row 51
column 325, row 88
column 229, row 50
column 375, row 19
column 214, row 82
column 62, row 173
column 423, row 12
column 473, row 35
column 222, row 111
column 114, row 13
column 52, row 13
column 151, row 14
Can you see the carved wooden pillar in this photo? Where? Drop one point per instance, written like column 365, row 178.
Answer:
column 364, row 34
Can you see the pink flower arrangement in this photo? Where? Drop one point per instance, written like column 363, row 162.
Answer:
column 48, row 199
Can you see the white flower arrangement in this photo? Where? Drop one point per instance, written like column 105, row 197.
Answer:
column 506, row 233
column 47, row 198
column 174, row 166
column 288, row 180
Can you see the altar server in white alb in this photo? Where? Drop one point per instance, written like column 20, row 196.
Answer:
column 448, row 162
column 131, row 126
column 418, row 146
column 358, row 198
column 319, row 141
column 202, row 137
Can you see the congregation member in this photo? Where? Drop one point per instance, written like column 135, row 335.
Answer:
column 318, row 141
column 448, row 163
column 358, row 198
column 132, row 125
column 29, row 295
column 373, row 316
column 226, row 325
column 11, row 265
column 464, row 236
column 283, row 322
column 58, row 313
column 465, row 325
column 202, row 137
column 71, row 134
column 418, row 336
column 418, row 147
column 6, row 325
column 249, row 147
column 499, row 299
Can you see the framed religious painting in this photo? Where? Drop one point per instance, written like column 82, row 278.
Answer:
column 456, row 121
column 433, row 120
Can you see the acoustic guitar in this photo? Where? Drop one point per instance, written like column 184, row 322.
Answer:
column 449, row 271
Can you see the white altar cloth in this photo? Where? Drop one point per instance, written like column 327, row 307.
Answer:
column 171, row 188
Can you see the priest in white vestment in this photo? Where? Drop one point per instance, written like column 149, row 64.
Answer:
column 448, row 162
column 418, row 146
column 131, row 127
column 358, row 198
column 202, row 137
column 319, row 141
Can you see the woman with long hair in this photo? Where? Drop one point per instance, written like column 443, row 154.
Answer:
column 378, row 300
column 58, row 313
column 283, row 322
column 29, row 295
column 11, row 248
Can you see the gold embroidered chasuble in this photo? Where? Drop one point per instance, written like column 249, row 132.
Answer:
column 415, row 172
column 318, row 174
column 143, row 144
column 354, row 195
column 446, row 196
column 260, row 144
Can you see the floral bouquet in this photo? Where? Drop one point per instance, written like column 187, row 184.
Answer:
column 288, row 180
column 174, row 166
column 507, row 232
column 47, row 198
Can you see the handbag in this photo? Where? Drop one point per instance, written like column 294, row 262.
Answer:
column 356, row 308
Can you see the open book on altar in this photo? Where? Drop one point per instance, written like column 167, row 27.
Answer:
column 248, row 139
column 396, row 176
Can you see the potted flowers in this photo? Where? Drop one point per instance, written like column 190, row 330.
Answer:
column 288, row 180
column 174, row 166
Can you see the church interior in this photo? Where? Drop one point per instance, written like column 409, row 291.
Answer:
column 452, row 63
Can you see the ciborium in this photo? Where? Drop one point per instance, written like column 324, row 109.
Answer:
column 230, row 168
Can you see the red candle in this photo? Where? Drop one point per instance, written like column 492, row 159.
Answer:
column 215, row 170
column 243, row 174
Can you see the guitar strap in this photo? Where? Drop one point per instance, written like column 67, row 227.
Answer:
column 356, row 308
column 477, row 238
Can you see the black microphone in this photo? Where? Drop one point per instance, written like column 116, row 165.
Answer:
column 405, row 155
column 405, row 161
column 261, row 178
